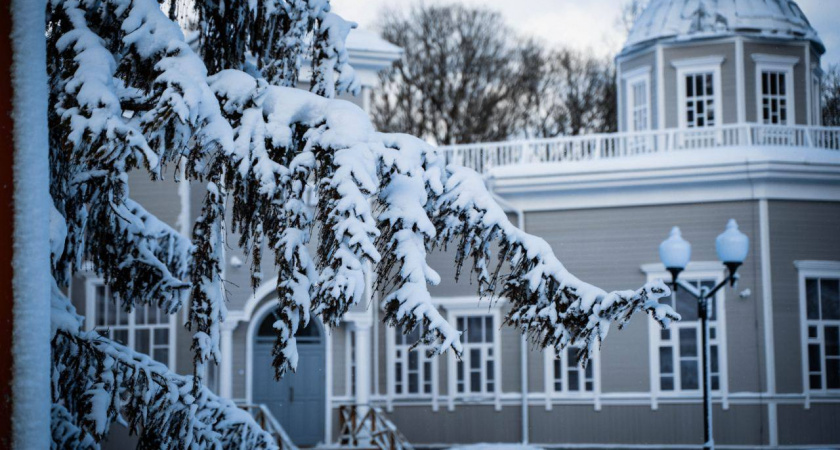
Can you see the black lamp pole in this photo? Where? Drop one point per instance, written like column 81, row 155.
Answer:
column 703, row 296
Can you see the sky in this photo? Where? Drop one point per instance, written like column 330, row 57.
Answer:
column 587, row 25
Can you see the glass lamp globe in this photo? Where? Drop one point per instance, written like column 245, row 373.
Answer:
column 732, row 245
column 675, row 252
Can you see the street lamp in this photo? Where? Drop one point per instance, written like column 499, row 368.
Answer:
column 732, row 247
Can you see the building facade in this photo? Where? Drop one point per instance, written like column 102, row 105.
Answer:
column 719, row 118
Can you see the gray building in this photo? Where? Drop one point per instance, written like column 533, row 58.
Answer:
column 719, row 118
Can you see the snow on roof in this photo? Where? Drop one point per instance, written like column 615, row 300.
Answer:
column 694, row 19
column 368, row 41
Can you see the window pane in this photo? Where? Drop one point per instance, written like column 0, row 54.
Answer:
column 398, row 371
column 814, row 358
column 558, row 370
column 490, row 372
column 412, row 382
column 161, row 336
column 689, row 374
column 832, row 341
column 715, row 382
column 689, row 87
column 709, row 84
column 161, row 355
column 474, row 329
column 475, row 381
column 140, row 314
column 666, row 360
column 121, row 336
column 475, row 358
column 815, row 381
column 574, row 379
column 412, row 361
column 713, row 355
column 141, row 341
column 665, row 334
column 832, row 373
column 830, row 302
column 488, row 329
column 812, row 332
column 666, row 383
column 812, row 296
column 688, row 342
column 101, row 306
column 686, row 306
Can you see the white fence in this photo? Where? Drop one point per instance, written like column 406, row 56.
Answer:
column 484, row 156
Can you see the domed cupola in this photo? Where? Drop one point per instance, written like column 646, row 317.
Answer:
column 691, row 64
column 683, row 20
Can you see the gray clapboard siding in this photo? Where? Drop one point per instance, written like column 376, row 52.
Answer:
column 816, row 425
column 159, row 197
column 607, row 246
column 798, row 231
column 669, row 425
column 465, row 424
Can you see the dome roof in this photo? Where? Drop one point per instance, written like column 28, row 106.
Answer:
column 695, row 19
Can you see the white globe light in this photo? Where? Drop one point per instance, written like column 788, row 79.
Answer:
column 732, row 245
column 675, row 252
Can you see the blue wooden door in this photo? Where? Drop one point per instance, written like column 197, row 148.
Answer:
column 298, row 399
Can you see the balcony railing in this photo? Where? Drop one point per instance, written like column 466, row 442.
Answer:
column 484, row 156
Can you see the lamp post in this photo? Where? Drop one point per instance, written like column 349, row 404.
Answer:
column 732, row 247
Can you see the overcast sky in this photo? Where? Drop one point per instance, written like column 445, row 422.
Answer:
column 583, row 24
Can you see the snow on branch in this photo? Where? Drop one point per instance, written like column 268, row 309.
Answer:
column 549, row 304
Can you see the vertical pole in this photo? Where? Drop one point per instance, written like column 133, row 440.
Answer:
column 708, row 440
column 23, row 43
column 7, row 154
column 226, row 365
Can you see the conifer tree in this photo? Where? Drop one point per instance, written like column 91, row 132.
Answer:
column 128, row 93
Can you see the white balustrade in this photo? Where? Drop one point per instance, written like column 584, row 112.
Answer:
column 484, row 156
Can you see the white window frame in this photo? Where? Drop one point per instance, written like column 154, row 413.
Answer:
column 631, row 79
column 813, row 269
column 775, row 63
column 472, row 306
column 391, row 359
column 700, row 270
column 694, row 66
column 549, row 374
column 91, row 284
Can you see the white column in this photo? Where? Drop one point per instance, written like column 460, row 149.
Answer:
column 226, row 365
column 363, row 350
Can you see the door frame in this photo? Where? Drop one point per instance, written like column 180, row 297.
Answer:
column 253, row 325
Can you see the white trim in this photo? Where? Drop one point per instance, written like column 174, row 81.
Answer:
column 721, row 175
column 638, row 72
column 391, row 348
column 763, row 58
column 254, row 320
column 700, row 270
column 817, row 266
column 549, row 374
column 631, row 81
column 771, row 63
column 813, row 269
column 469, row 306
column 660, row 86
column 767, row 319
column 692, row 66
column 740, row 80
column 808, row 86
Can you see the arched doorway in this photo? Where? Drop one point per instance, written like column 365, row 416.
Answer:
column 298, row 400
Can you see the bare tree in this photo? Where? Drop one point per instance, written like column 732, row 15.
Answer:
column 465, row 77
column 568, row 93
column 458, row 79
column 831, row 96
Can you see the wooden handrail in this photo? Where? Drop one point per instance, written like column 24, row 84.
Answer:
column 264, row 418
column 365, row 426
